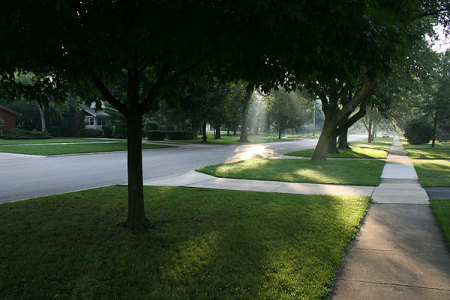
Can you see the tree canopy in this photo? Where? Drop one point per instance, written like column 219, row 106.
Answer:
column 155, row 45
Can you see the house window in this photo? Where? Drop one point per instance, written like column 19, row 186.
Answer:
column 89, row 121
column 101, row 122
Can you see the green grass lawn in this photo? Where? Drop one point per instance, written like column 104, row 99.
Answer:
column 46, row 141
column 377, row 149
column 202, row 244
column 433, row 172
column 440, row 150
column 441, row 209
column 71, row 149
column 234, row 139
column 299, row 170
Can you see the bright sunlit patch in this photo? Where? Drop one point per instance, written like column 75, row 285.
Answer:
column 251, row 151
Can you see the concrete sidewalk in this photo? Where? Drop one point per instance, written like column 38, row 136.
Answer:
column 200, row 180
column 400, row 252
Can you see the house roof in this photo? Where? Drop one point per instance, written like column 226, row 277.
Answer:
column 9, row 110
column 92, row 112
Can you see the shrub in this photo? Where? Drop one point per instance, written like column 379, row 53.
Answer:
column 150, row 125
column 180, row 135
column 90, row 132
column 419, row 131
column 2, row 123
column 108, row 131
column 55, row 130
column 156, row 135
column 22, row 134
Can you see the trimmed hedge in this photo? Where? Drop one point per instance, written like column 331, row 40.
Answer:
column 156, row 135
column 22, row 134
column 90, row 132
column 180, row 135
column 419, row 131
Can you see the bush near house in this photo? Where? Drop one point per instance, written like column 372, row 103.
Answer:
column 90, row 132
column 22, row 134
column 156, row 135
column 180, row 135
column 150, row 125
column 419, row 131
column 2, row 123
column 108, row 131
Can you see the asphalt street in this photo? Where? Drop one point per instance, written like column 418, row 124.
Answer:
column 24, row 177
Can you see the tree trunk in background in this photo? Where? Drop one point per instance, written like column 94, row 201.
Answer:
column 343, row 142
column 373, row 131
column 228, row 131
column 136, row 213
column 246, row 106
column 369, row 130
column 217, row 131
column 279, row 134
column 433, row 141
column 42, row 115
column 204, row 138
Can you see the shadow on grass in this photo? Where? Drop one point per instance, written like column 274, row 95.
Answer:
column 203, row 244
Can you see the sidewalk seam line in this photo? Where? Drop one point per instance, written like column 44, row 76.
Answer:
column 395, row 284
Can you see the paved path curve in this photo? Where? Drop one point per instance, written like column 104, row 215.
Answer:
column 200, row 180
column 400, row 252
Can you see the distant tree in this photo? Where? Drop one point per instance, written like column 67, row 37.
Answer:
column 437, row 102
column 233, row 108
column 285, row 110
column 246, row 101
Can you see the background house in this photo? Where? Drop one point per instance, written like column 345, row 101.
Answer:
column 95, row 119
column 9, row 116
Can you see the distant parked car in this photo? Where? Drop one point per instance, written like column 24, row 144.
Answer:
column 385, row 136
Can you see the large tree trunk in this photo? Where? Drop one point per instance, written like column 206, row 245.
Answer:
column 136, row 213
column 325, row 139
column 42, row 115
column 343, row 142
column 246, row 106
column 217, row 131
column 204, row 138
column 332, row 147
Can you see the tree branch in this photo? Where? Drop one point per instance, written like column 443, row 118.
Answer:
column 433, row 13
column 353, row 119
column 108, row 96
column 366, row 90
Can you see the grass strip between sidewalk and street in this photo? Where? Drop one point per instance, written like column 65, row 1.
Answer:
column 440, row 150
column 441, row 209
column 360, row 149
column 56, row 140
column 72, row 148
column 201, row 244
column 433, row 172
column 361, row 172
